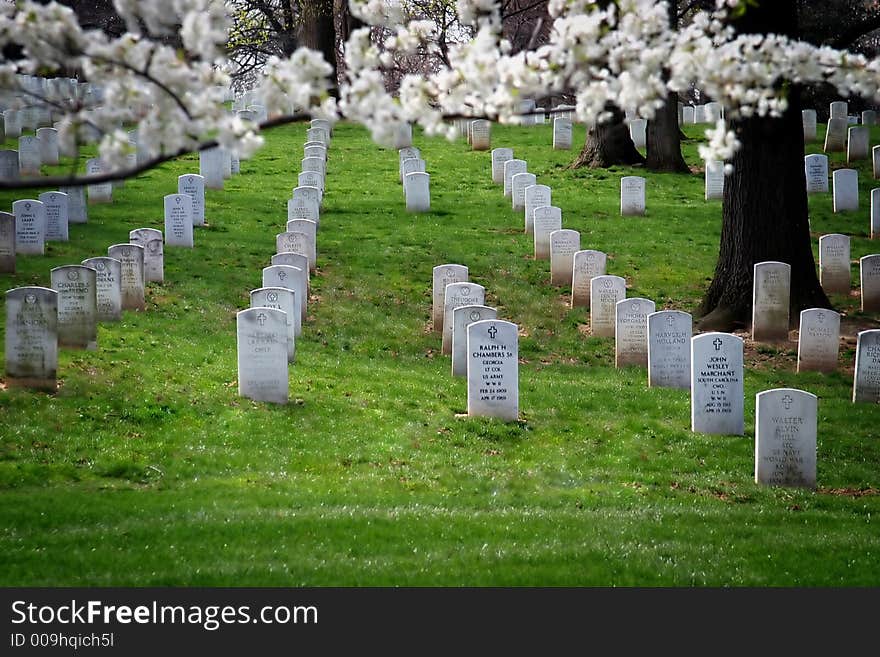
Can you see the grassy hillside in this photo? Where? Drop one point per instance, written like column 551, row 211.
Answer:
column 146, row 468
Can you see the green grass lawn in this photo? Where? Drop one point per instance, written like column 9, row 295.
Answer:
column 147, row 469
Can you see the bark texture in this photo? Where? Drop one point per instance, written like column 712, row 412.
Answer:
column 664, row 139
column 608, row 144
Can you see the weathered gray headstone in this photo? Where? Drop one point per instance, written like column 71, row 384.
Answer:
column 511, row 168
column 55, row 204
column 178, row 220
column 518, row 184
column 687, row 114
column 413, row 165
column 869, row 280
column 818, row 340
column 154, row 252
column 30, row 226
column 717, row 384
column 858, row 143
column 77, row 209
column 771, row 294
column 631, row 333
column 834, row 264
column 846, row 189
column 100, row 192
column 417, row 188
column 295, row 242
column 535, row 196
column 493, row 369
column 816, row 172
column 669, row 349
column 785, row 438
column 48, row 140
column 284, row 299
column 866, row 379
column 714, row 180
column 262, row 354
column 315, row 165
column 605, row 292
column 310, row 228
column 564, row 243
column 869, row 117
column 443, row 275
column 32, row 338
column 586, row 265
column 545, row 220
column 480, row 135
column 403, row 136
column 456, row 295
column 307, row 193
column 835, row 136
column 108, row 287
column 7, row 243
column 9, row 165
column 29, row 156
column 131, row 257
column 632, row 196
column 462, row 317
column 77, row 306
column 194, row 185
column 562, row 131
column 809, row 121
column 12, row 123
column 499, row 157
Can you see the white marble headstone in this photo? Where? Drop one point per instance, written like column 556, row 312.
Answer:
column 562, row 134
column 586, row 265
column 443, row 275
column 178, row 220
column 499, row 157
column 456, row 295
column 564, row 243
column 417, row 187
column 511, row 168
column 669, row 349
column 858, row 143
column 638, row 132
column 875, row 213
column 714, row 180
column 405, row 154
column 835, row 136
column 771, row 293
column 818, row 340
column 493, row 369
column 816, row 172
column 809, row 121
column 717, row 384
column 834, row 263
column 295, row 242
column 194, row 185
column 839, row 109
column 131, row 258
column 99, row 192
column 632, row 196
column 605, row 292
column 535, row 196
column 108, row 288
column 262, row 354
column 785, row 438
column 869, row 280
column 29, row 156
column 480, row 135
column 310, row 228
column 462, row 317
column 77, row 209
column 31, row 341
column 546, row 219
column 7, row 243
column 48, row 139
column 866, row 379
column 212, row 167
column 303, row 208
column 631, row 333
column 9, row 169
column 518, row 184
column 154, row 252
column 77, row 306
column 30, row 226
column 56, row 206
column 284, row 299
column 846, row 189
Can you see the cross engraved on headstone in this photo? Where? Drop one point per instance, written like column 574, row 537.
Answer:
column 261, row 318
column 820, row 316
column 282, row 275
column 786, row 401
column 717, row 342
column 492, row 331
column 670, row 320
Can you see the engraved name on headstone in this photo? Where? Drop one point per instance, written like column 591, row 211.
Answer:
column 108, row 288
column 131, row 257
column 818, row 340
column 605, row 292
column 178, row 220
column 77, row 306
column 770, row 301
column 456, row 295
column 717, row 384
column 493, row 369
column 586, row 265
column 261, row 334
column 631, row 333
column 499, row 157
column 30, row 226
column 31, row 342
column 816, row 172
column 546, row 219
column 669, row 349
column 194, row 185
column 154, row 252
column 279, row 298
column 869, row 280
column 632, row 196
column 564, row 243
column 56, row 206
column 443, row 275
column 866, row 379
column 785, row 438
column 462, row 317
column 834, row 264
column 535, row 196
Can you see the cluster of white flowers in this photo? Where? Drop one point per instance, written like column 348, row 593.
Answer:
column 621, row 52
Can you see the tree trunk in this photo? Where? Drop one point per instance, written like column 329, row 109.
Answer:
column 764, row 215
column 664, row 139
column 764, row 218
column 318, row 30
column 608, row 144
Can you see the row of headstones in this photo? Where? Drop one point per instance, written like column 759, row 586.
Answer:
column 416, row 181
column 39, row 320
column 483, row 348
column 702, row 113
column 267, row 331
column 710, row 366
column 845, row 187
